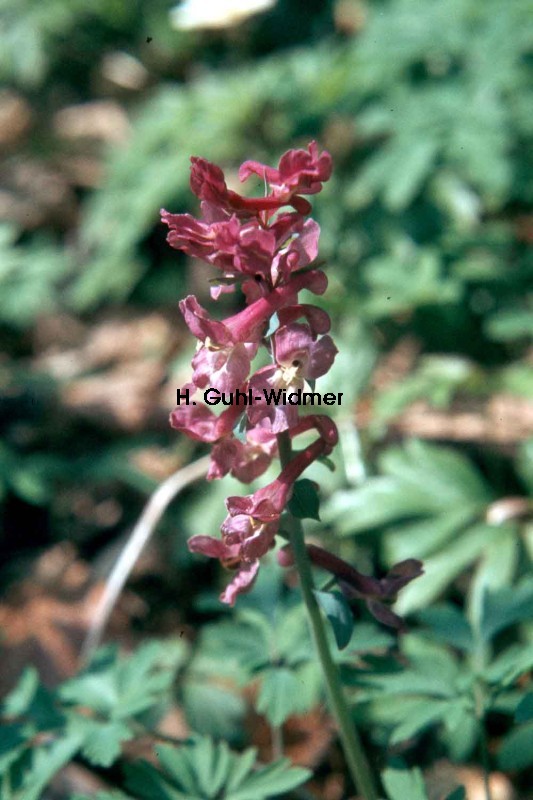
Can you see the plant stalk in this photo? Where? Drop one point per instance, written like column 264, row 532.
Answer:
column 353, row 750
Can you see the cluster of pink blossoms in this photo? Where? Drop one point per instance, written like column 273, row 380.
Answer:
column 266, row 246
column 267, row 250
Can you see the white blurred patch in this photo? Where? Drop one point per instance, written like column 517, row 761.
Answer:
column 195, row 14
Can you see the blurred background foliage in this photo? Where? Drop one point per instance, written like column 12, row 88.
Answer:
column 425, row 106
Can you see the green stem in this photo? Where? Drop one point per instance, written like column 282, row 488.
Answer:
column 485, row 761
column 479, row 694
column 351, row 742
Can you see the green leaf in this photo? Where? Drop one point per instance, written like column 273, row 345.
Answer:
column 19, row 699
column 304, row 503
column 291, row 637
column 368, row 636
column 126, row 686
column 279, row 695
column 423, row 539
column 47, row 760
column 461, row 729
column 442, row 473
column 30, row 699
column 14, row 738
column 457, row 794
column 447, row 624
column 275, row 779
column 516, row 751
column 428, row 712
column 336, row 608
column 202, row 769
column 408, row 173
column 506, row 607
column 510, row 664
column 524, row 710
column 102, row 796
column 212, row 709
column 103, row 740
column 402, row 784
column 442, row 568
column 419, row 480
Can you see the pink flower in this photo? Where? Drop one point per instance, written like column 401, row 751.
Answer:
column 228, row 555
column 318, row 319
column 298, row 357
column 199, row 422
column 377, row 593
column 246, row 460
column 223, row 362
column 298, row 172
column 253, row 520
column 246, row 249
column 249, row 530
column 234, row 247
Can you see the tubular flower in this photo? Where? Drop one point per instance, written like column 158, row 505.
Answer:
column 377, row 593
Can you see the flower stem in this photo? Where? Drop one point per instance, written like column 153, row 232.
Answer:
column 353, row 750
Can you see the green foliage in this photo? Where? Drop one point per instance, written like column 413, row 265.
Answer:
column 451, row 691
column 253, row 647
column 400, row 784
column 431, row 504
column 202, row 770
column 90, row 715
column 29, row 276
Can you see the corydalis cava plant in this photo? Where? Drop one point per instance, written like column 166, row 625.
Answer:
column 266, row 246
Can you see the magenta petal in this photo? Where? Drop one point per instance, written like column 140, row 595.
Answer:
column 197, row 422
column 384, row 614
column 207, row 182
column 322, row 357
column 293, row 343
column 211, row 547
column 201, row 324
column 260, row 542
column 256, row 168
column 225, row 369
column 223, row 456
column 241, row 583
column 305, row 171
column 236, row 527
column 318, row 319
column 306, row 244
